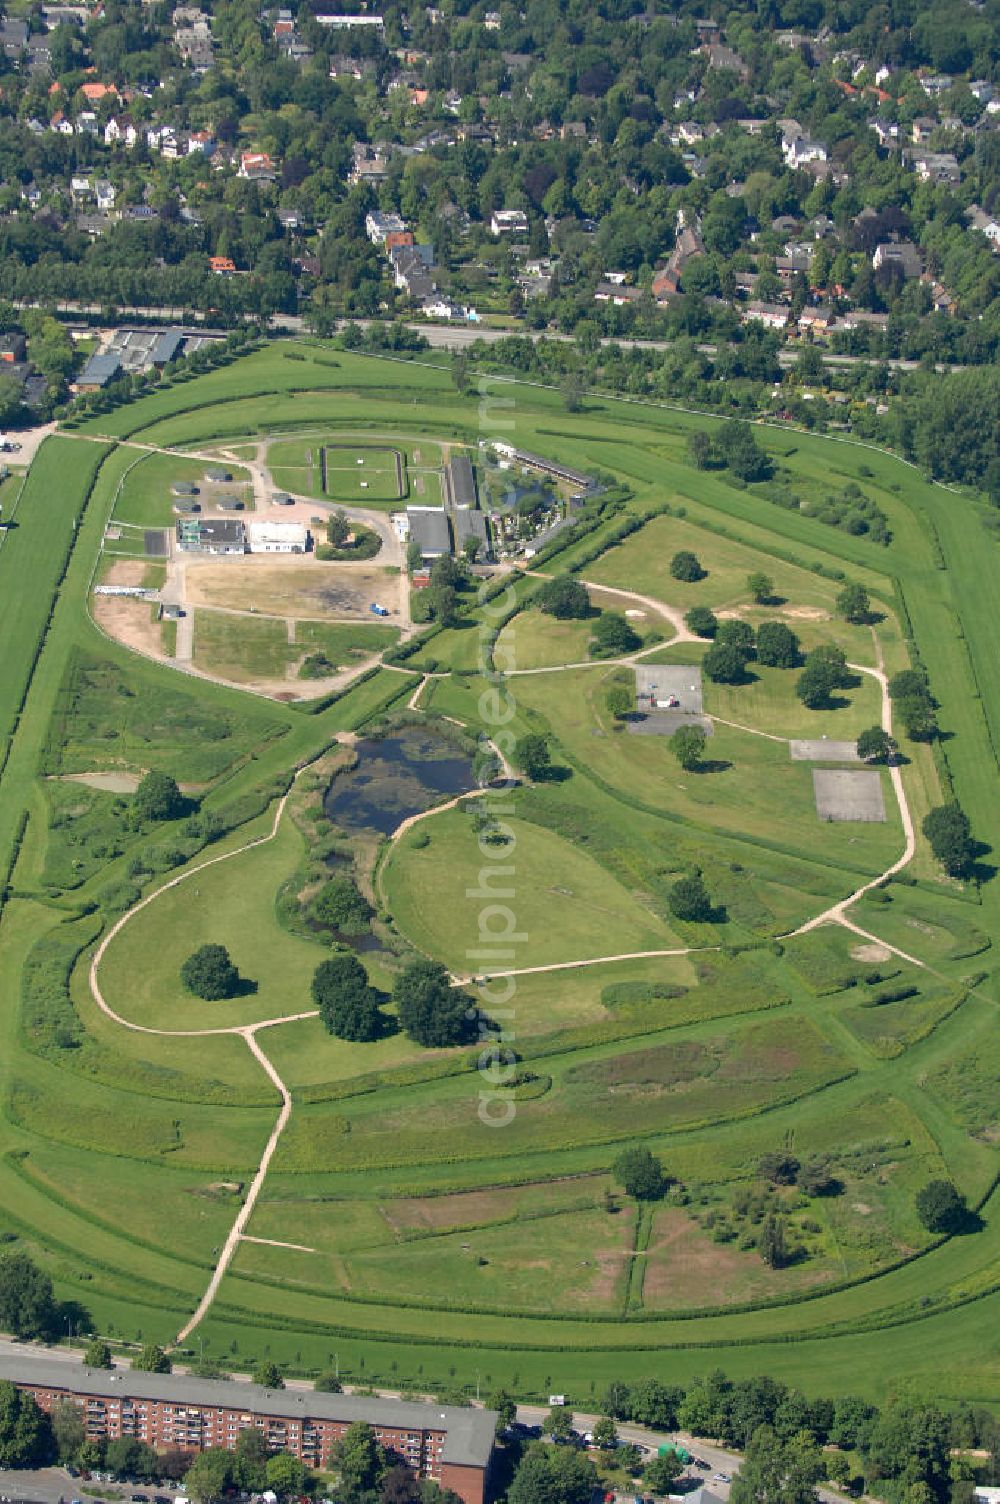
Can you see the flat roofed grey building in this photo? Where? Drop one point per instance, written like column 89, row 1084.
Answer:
column 99, row 370
column 450, row 1443
column 429, row 530
column 211, row 535
column 462, row 481
column 165, row 347
column 470, row 523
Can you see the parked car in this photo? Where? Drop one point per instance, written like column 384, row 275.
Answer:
column 721, row 1478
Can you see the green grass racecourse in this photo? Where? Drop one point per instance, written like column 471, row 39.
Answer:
column 432, row 1248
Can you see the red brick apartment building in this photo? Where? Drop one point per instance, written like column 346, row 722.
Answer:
column 448, row 1443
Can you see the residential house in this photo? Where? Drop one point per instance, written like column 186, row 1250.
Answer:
column 935, row 84
column 720, row 56
column 819, row 318
column 13, row 37
column 901, row 253
column 922, row 129
column 508, row 222
column 371, row 164
column 378, row 226
column 105, row 194
column 257, row 166
column 121, row 130
column 222, row 266
column 93, row 93
column 13, row 349
column 771, row 315
column 888, row 132
column 346, row 23
column 798, row 150
column 93, row 224
column 934, row 166
column 986, row 224
column 616, row 294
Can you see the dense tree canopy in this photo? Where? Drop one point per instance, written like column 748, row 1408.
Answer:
column 347, row 1004
column 431, row 1010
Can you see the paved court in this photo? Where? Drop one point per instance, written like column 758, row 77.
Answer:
column 824, row 749
column 661, row 681
column 666, row 722
column 844, row 795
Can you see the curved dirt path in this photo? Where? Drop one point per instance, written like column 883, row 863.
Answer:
column 232, row 1242
column 247, row 1032
column 835, row 913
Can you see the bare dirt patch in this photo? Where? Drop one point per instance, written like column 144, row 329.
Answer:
column 870, row 952
column 110, row 783
column 805, row 613
column 303, row 587
column 127, row 619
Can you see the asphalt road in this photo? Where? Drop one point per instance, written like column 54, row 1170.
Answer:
column 457, row 336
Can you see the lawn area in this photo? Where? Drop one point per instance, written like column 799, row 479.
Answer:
column 248, row 648
column 33, row 558
column 579, row 909
column 750, row 784
column 642, row 563
column 680, row 1080
column 231, row 904
column 535, row 640
column 145, row 499
column 356, row 474
column 561, row 1260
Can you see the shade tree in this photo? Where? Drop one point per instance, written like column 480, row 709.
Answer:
column 348, row 1005
column 209, row 973
column 433, row 1012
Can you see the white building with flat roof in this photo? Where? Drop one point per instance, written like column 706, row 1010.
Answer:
column 278, row 537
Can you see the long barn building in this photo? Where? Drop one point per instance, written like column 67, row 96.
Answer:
column 449, row 1443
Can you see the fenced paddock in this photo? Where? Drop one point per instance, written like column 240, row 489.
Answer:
column 360, row 473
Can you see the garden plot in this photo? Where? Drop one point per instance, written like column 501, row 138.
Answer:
column 824, row 749
column 844, row 795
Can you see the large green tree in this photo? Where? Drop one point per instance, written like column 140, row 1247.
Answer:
column 431, row 1010
column 339, row 904
column 776, row 1471
column 941, row 1207
column 210, row 974
column 25, row 1430
column 359, row 1461
column 777, row 645
column 27, row 1306
column 641, row 1173
column 688, row 745
column 347, row 1003
column 950, row 835
column 553, row 1475
column 158, row 798
column 564, row 598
